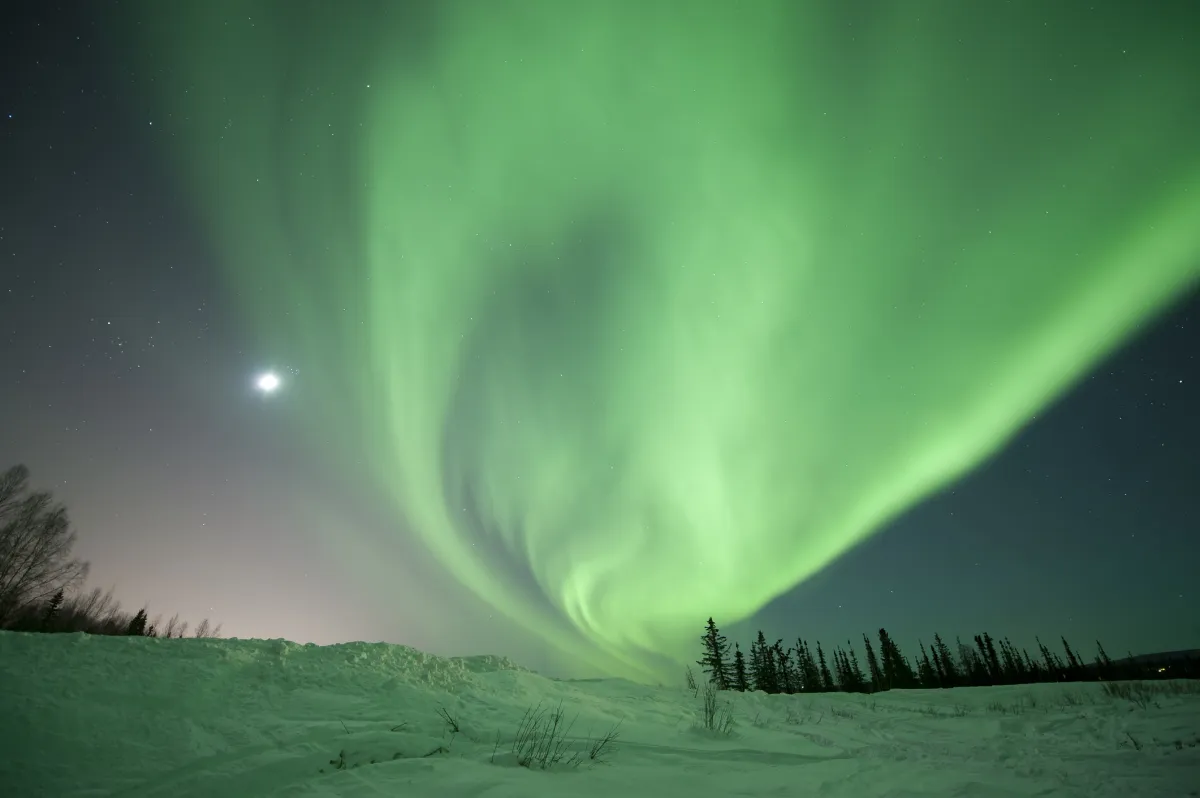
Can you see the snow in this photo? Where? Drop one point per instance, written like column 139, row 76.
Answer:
column 128, row 716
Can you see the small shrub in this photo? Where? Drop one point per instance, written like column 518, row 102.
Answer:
column 541, row 739
column 1072, row 698
column 1016, row 708
column 716, row 716
column 691, row 682
column 450, row 720
column 604, row 747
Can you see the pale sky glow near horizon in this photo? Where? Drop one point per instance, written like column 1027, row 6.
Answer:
column 811, row 318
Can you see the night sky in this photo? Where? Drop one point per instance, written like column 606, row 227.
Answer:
column 592, row 320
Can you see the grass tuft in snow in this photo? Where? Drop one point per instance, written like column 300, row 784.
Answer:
column 1142, row 694
column 541, row 740
column 602, row 748
column 716, row 716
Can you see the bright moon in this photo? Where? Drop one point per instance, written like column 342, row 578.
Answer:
column 267, row 383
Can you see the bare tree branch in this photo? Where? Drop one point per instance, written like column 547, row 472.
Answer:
column 35, row 546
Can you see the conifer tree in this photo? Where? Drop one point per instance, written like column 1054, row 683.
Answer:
column 972, row 664
column 1051, row 668
column 926, row 674
column 841, row 669
column 53, row 607
column 812, row 672
column 856, row 673
column 826, row 677
column 739, row 670
column 806, row 668
column 757, row 665
column 948, row 673
column 1011, row 665
column 1032, row 668
column 785, row 671
column 762, row 666
column 137, row 624
column 716, row 652
column 877, row 681
column 1074, row 662
column 993, row 661
column 992, row 673
column 1103, row 664
column 897, row 672
column 937, row 665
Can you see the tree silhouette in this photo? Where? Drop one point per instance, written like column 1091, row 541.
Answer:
column 53, row 608
column 826, row 678
column 786, row 677
column 137, row 624
column 739, row 669
column 762, row 666
column 856, row 673
column 35, row 546
column 926, row 673
column 716, row 651
column 877, row 680
column 897, row 672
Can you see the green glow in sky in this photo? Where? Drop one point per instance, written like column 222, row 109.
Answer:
column 645, row 312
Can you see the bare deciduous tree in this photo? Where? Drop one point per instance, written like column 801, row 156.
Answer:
column 35, row 545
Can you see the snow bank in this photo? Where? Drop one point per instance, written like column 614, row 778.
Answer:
column 98, row 716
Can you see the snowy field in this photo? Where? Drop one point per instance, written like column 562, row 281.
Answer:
column 128, row 716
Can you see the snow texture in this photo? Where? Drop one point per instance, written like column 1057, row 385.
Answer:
column 126, row 716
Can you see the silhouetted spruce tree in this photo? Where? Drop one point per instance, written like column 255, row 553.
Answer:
column 841, row 669
column 808, row 678
column 1032, row 667
column 1045, row 652
column 1104, row 665
column 989, row 649
column 785, row 671
column 1011, row 664
column 772, row 670
column 812, row 671
column 1074, row 664
column 975, row 665
column 856, row 673
column 762, row 666
column 1054, row 669
column 945, row 663
column 937, row 666
column 877, row 681
column 137, row 624
column 926, row 673
column 739, row 670
column 806, row 668
column 992, row 674
column 53, row 607
column 826, row 677
column 716, row 652
column 897, row 671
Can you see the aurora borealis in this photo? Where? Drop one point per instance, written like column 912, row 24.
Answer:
column 610, row 316
column 619, row 294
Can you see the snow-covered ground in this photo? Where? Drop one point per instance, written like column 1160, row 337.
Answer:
column 127, row 716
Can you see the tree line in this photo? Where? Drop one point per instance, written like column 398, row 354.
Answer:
column 40, row 580
column 776, row 668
